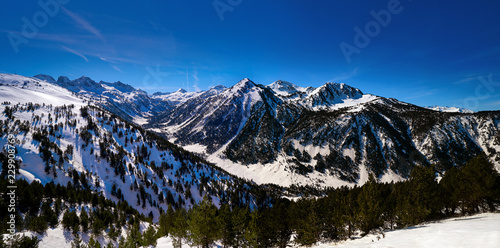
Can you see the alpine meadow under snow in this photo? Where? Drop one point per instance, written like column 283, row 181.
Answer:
column 252, row 165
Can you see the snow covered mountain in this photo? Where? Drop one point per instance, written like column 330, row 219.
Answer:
column 284, row 134
column 60, row 138
column 182, row 95
column 450, row 109
column 330, row 135
column 284, row 88
column 130, row 103
column 211, row 119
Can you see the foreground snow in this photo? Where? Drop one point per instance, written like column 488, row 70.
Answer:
column 474, row 231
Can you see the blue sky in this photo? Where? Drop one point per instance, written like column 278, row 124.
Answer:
column 429, row 52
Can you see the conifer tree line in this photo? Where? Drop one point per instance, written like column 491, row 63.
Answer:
column 343, row 212
column 42, row 207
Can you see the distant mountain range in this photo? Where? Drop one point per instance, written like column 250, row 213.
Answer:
column 284, row 134
column 450, row 109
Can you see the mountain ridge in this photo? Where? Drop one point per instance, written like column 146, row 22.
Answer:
column 315, row 134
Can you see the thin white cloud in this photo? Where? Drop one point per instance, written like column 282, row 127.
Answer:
column 109, row 60
column 116, row 68
column 187, row 79
column 75, row 53
column 82, row 23
column 196, row 80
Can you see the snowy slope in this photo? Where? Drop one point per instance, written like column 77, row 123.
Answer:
column 20, row 89
column 472, row 231
column 176, row 97
column 122, row 99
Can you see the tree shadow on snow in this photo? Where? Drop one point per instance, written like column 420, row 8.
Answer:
column 68, row 236
column 414, row 227
column 471, row 218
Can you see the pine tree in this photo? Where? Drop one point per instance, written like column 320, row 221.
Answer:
column 180, row 227
column 225, row 221
column 251, row 233
column 478, row 180
column 162, row 225
column 149, row 237
column 424, row 191
column 84, row 221
column 450, row 186
column 93, row 243
column 70, row 221
column 240, row 219
column 77, row 242
column 306, row 223
column 418, row 197
column 169, row 219
column 113, row 232
column 279, row 218
column 134, row 238
column 49, row 215
column 370, row 206
column 38, row 224
column 203, row 224
column 332, row 210
column 350, row 206
column 21, row 241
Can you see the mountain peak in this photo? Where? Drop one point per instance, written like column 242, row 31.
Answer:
column 219, row 87
column 45, row 77
column 63, row 80
column 84, row 79
column 121, row 86
column 283, row 87
column 244, row 84
column 86, row 82
column 159, row 93
column 181, row 90
column 341, row 89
